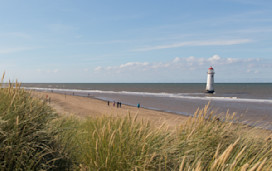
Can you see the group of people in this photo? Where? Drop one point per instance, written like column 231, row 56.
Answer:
column 118, row 104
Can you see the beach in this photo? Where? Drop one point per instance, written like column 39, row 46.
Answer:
column 84, row 107
column 192, row 135
column 250, row 102
column 91, row 107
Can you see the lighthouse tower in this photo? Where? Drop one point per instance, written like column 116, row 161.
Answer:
column 210, row 80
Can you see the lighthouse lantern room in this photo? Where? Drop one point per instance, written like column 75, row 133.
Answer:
column 210, row 80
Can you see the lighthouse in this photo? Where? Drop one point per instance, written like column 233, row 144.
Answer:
column 210, row 80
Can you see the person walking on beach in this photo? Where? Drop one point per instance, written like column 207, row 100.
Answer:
column 138, row 105
column 120, row 104
column 113, row 104
column 108, row 103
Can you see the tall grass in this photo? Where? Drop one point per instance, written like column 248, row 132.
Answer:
column 34, row 137
column 208, row 144
column 203, row 143
column 110, row 143
column 26, row 143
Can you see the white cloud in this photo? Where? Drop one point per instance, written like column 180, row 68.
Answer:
column 160, row 65
column 197, row 43
column 201, row 61
column 231, row 60
column 179, row 63
column 214, row 59
column 133, row 64
column 98, row 68
column 188, row 69
column 177, row 59
column 190, row 59
column 128, row 65
column 252, row 71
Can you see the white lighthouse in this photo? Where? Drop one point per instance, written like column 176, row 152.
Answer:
column 210, row 80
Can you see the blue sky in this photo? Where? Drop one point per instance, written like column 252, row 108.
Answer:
column 136, row 41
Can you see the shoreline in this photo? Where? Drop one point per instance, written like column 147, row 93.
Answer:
column 84, row 107
column 256, row 115
column 250, row 111
column 147, row 108
column 93, row 107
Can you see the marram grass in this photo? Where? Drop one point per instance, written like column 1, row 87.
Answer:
column 33, row 137
column 208, row 144
column 110, row 143
column 203, row 143
column 26, row 143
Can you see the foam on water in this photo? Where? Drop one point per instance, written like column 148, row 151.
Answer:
column 196, row 96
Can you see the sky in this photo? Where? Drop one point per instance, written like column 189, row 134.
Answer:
column 143, row 41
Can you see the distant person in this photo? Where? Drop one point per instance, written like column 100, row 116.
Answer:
column 113, row 104
column 138, row 105
column 120, row 104
column 108, row 103
column 88, row 94
column 73, row 93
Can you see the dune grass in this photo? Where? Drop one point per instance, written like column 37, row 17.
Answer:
column 34, row 137
column 26, row 143
column 110, row 143
column 203, row 143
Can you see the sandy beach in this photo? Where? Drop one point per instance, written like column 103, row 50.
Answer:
column 90, row 107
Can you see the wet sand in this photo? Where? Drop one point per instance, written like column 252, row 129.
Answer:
column 90, row 107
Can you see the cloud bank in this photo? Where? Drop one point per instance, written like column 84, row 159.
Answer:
column 189, row 69
column 178, row 62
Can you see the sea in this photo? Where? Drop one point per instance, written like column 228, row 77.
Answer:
column 251, row 102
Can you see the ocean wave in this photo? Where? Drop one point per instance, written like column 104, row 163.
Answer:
column 193, row 96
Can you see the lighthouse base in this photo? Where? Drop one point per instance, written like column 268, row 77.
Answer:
column 210, row 91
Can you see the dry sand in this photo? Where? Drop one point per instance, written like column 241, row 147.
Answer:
column 90, row 107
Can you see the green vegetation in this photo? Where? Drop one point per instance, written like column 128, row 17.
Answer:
column 33, row 137
column 108, row 143
column 26, row 140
